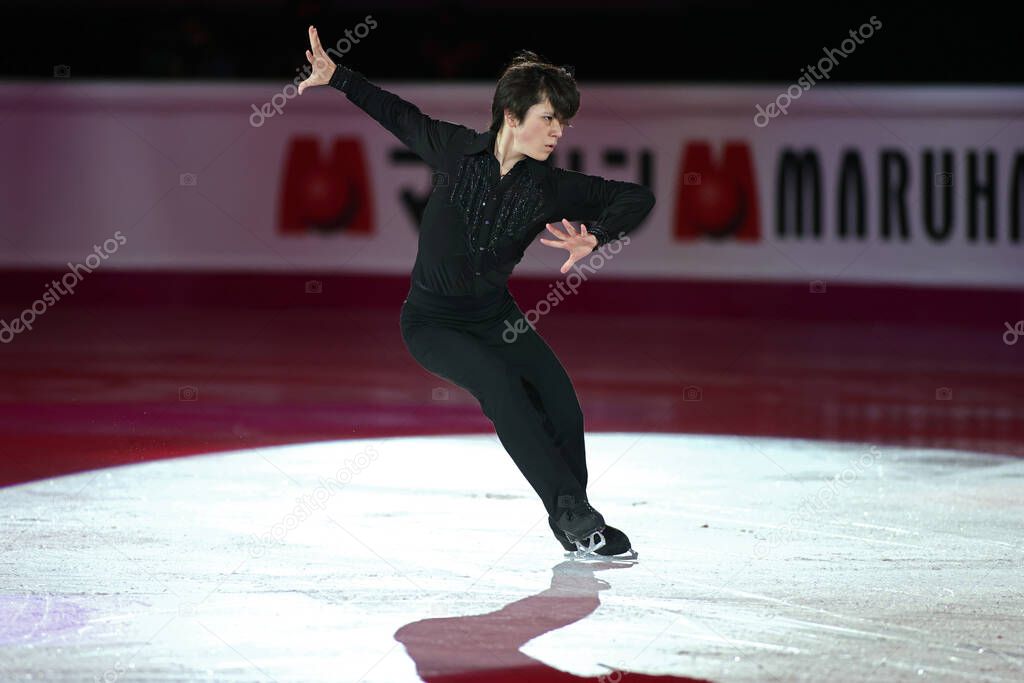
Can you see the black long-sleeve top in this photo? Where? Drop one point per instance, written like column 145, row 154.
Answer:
column 477, row 224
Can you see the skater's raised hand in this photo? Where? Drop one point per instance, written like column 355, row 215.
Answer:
column 579, row 244
column 323, row 67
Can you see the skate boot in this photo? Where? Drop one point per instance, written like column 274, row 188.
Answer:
column 560, row 536
column 580, row 523
column 584, row 526
column 617, row 545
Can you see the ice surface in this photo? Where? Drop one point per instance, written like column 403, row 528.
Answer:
column 760, row 559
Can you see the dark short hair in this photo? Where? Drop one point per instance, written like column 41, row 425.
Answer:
column 526, row 81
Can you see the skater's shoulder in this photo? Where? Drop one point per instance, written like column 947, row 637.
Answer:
column 472, row 141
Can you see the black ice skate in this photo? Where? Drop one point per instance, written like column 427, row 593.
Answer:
column 584, row 527
column 616, row 547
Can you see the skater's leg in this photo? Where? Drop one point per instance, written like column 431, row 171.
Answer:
column 552, row 392
column 549, row 386
column 464, row 359
column 565, row 429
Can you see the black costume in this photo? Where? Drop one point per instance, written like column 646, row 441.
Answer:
column 457, row 317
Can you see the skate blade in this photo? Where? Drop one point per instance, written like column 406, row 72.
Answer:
column 584, row 556
column 595, row 541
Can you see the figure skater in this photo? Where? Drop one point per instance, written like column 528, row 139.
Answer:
column 492, row 193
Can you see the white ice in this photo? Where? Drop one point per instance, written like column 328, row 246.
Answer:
column 759, row 559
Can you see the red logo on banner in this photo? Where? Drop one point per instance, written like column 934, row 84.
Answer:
column 329, row 194
column 717, row 201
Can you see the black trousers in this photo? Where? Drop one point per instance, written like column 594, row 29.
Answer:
column 520, row 383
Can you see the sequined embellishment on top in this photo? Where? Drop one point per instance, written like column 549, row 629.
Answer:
column 518, row 205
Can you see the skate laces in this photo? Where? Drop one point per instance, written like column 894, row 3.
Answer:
column 584, row 508
column 575, row 507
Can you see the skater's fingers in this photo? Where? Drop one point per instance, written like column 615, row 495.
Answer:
column 552, row 243
column 314, row 44
column 556, row 233
column 317, row 49
column 568, row 226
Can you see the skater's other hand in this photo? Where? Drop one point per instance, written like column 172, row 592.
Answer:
column 323, row 67
column 579, row 244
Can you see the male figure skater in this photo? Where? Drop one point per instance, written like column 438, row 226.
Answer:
column 492, row 193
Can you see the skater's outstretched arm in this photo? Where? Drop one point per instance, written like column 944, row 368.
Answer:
column 426, row 136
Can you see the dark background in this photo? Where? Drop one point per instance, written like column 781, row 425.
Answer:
column 636, row 41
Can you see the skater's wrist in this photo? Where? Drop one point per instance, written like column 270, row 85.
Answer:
column 600, row 234
column 340, row 78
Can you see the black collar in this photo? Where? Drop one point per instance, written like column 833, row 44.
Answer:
column 485, row 141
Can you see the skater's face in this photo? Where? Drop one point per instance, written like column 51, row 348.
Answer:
column 537, row 135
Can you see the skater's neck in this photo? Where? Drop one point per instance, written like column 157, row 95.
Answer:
column 504, row 150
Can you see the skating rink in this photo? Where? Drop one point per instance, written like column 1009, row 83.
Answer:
column 760, row 559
